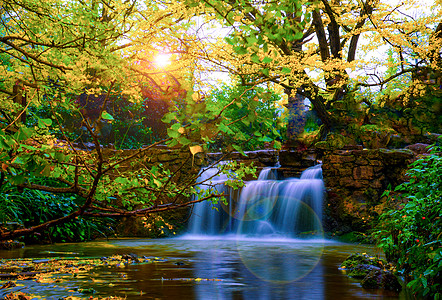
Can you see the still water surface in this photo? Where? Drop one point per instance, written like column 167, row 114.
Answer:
column 224, row 268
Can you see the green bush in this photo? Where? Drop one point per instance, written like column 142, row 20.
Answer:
column 411, row 236
column 33, row 207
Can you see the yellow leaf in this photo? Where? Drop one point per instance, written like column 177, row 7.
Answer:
column 195, row 149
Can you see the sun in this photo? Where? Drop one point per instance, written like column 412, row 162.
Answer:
column 162, row 60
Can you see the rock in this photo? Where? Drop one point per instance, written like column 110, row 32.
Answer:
column 363, row 172
column 130, row 256
column 8, row 284
column 11, row 244
column 378, row 278
column 361, row 259
column 362, row 270
column 418, row 148
column 372, row 271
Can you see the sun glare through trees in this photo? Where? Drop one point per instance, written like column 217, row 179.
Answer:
column 109, row 110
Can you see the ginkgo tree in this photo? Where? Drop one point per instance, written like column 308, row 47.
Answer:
column 54, row 51
column 328, row 50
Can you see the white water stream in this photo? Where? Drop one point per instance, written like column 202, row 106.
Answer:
column 263, row 207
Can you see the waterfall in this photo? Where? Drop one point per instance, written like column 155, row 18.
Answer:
column 266, row 206
column 314, row 172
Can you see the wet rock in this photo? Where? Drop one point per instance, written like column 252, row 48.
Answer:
column 130, row 256
column 357, row 259
column 378, row 278
column 11, row 244
column 8, row 284
column 41, row 261
column 374, row 272
column 360, row 271
column 363, row 172
column 418, row 148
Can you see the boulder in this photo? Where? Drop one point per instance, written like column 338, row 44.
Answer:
column 384, row 279
column 362, row 270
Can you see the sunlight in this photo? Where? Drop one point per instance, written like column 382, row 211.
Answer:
column 162, row 60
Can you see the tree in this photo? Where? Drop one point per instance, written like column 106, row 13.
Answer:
column 323, row 50
column 53, row 51
column 267, row 121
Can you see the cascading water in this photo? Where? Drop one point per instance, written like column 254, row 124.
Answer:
column 263, row 207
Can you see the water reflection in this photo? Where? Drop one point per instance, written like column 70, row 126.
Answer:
column 228, row 268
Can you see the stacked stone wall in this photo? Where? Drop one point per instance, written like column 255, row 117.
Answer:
column 355, row 181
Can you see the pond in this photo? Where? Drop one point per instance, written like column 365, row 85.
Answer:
column 192, row 267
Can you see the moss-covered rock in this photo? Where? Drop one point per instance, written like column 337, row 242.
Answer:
column 360, row 271
column 333, row 141
column 375, row 273
column 384, row 279
column 354, row 260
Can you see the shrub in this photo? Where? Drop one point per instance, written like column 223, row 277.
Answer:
column 411, row 236
column 32, row 207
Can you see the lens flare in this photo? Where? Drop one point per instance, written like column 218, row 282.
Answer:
column 291, row 258
column 162, row 60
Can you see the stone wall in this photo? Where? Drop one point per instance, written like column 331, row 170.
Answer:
column 355, row 181
column 291, row 162
column 182, row 164
column 355, row 178
column 172, row 159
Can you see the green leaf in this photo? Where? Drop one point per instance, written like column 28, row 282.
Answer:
column 239, row 149
column 240, row 50
column 265, row 71
column 299, row 35
column 167, row 118
column 24, row 133
column 255, row 58
column 424, row 281
column 158, row 183
column 184, row 141
column 20, row 160
column 267, row 60
column 106, row 116
column 265, row 139
column 286, row 70
column 18, row 179
column 277, row 145
column 230, row 41
column 251, row 40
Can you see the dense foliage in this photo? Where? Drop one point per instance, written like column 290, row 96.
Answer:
column 326, row 51
column 84, row 71
column 411, row 235
column 32, row 207
column 261, row 128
